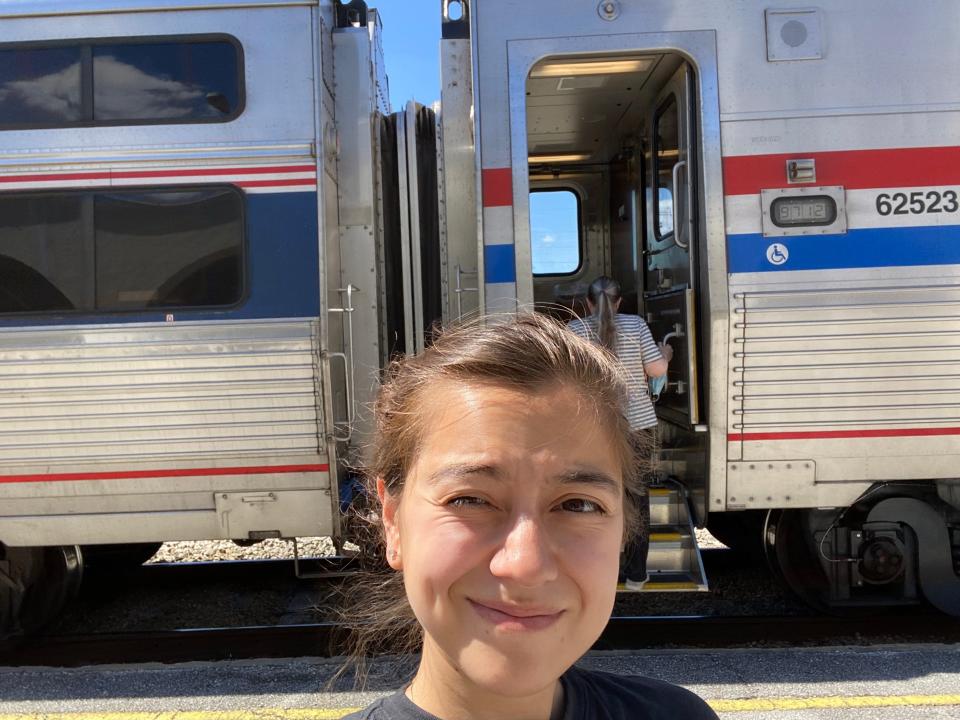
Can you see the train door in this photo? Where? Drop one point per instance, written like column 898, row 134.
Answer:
column 672, row 242
column 615, row 184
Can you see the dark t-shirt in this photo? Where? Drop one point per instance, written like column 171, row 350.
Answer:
column 588, row 695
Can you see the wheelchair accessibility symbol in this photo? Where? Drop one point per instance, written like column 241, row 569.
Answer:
column 777, row 254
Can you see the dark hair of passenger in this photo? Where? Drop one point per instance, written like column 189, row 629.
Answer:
column 527, row 353
column 604, row 293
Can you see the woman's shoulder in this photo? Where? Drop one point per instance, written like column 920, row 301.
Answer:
column 626, row 321
column 391, row 707
column 583, row 327
column 595, row 694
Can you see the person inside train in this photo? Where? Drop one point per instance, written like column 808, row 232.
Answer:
column 505, row 475
column 641, row 360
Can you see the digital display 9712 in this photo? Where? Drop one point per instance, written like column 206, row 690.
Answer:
column 803, row 211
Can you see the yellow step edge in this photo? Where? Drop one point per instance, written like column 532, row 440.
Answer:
column 654, row 586
column 665, row 537
column 661, row 492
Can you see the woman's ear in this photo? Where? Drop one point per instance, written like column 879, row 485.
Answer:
column 391, row 530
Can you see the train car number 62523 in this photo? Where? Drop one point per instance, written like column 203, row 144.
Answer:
column 918, row 202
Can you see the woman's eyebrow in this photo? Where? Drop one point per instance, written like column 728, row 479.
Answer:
column 464, row 470
column 590, row 477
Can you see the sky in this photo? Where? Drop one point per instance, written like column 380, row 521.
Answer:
column 411, row 44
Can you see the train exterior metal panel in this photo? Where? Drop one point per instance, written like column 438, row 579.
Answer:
column 137, row 394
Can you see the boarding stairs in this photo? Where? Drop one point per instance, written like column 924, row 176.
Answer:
column 673, row 562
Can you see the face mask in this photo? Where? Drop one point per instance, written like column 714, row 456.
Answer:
column 657, row 385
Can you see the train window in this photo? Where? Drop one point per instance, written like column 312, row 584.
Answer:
column 555, row 245
column 666, row 154
column 112, row 82
column 44, row 253
column 168, row 249
column 121, row 250
column 40, row 86
column 165, row 81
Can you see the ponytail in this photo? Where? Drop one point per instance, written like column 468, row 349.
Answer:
column 604, row 293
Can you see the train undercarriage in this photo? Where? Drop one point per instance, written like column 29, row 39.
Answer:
column 898, row 545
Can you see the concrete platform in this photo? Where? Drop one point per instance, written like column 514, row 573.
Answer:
column 846, row 683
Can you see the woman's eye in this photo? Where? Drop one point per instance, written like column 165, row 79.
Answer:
column 581, row 505
column 467, row 501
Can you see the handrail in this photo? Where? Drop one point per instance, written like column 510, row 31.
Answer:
column 675, row 173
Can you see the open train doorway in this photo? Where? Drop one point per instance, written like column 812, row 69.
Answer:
column 615, row 151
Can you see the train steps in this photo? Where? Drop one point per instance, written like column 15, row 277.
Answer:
column 673, row 562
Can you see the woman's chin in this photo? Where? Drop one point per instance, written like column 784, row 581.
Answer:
column 514, row 676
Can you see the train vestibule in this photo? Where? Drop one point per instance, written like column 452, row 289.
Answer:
column 612, row 158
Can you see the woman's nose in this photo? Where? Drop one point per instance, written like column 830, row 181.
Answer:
column 525, row 555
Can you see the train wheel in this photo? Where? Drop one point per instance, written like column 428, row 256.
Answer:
column 788, row 545
column 35, row 586
column 54, row 589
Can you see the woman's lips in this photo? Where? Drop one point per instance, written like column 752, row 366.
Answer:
column 516, row 617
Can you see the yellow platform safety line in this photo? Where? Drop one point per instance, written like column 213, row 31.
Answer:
column 660, row 492
column 257, row 714
column 836, row 702
column 665, row 537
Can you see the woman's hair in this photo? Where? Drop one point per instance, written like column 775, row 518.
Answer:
column 604, row 293
column 528, row 353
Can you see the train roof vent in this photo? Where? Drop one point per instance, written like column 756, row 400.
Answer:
column 794, row 35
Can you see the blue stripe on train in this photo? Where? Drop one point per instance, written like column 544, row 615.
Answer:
column 499, row 264
column 282, row 269
column 863, row 248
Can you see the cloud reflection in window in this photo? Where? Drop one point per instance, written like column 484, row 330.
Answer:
column 51, row 96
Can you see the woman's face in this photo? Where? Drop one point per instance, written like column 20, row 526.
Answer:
column 508, row 532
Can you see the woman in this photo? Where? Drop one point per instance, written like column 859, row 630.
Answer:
column 629, row 339
column 502, row 465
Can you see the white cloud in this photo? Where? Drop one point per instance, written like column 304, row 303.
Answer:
column 57, row 93
column 134, row 93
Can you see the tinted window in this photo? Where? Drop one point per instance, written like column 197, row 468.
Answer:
column 555, row 232
column 667, row 151
column 113, row 82
column 165, row 81
column 44, row 253
column 129, row 250
column 40, row 86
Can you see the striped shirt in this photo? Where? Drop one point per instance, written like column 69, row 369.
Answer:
column 634, row 347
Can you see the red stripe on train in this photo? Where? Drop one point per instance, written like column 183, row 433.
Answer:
column 843, row 434
column 171, row 472
column 853, row 169
column 133, row 174
column 311, row 182
column 497, row 187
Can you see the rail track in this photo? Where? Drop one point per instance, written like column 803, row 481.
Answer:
column 628, row 630
column 622, row 633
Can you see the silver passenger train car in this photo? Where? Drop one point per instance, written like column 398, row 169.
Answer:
column 775, row 186
column 214, row 233
column 192, row 282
